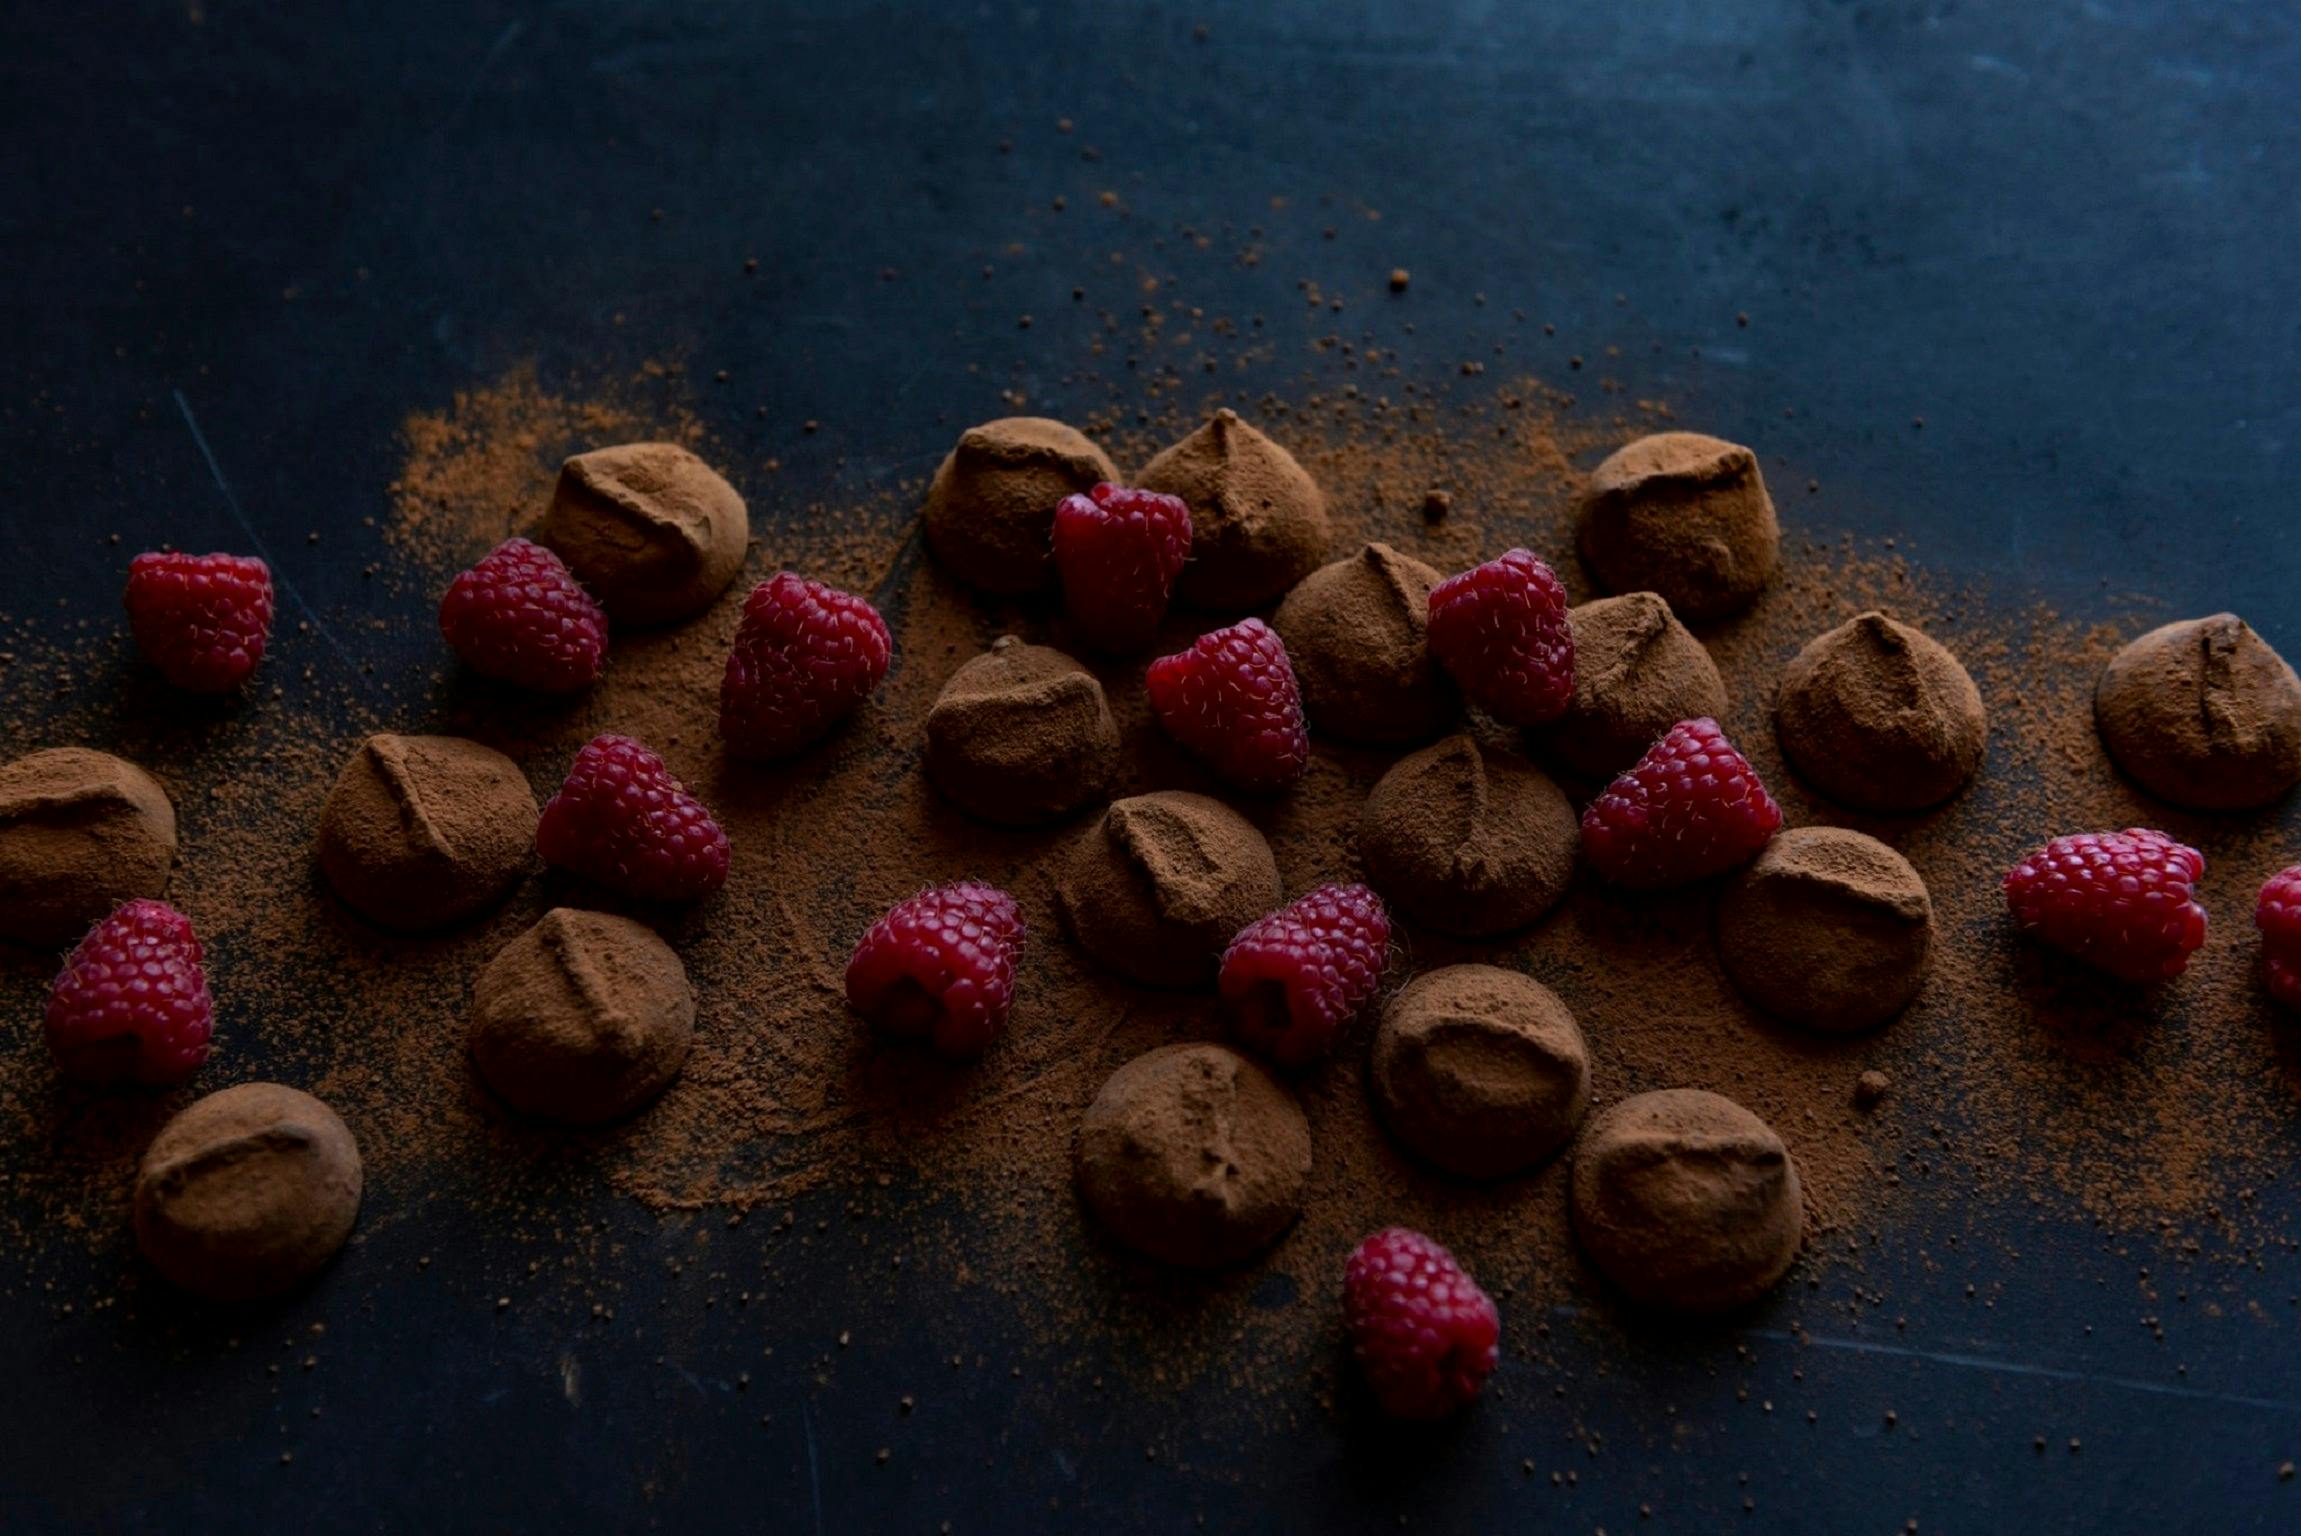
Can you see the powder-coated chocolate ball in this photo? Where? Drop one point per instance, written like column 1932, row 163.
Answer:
column 2203, row 713
column 1683, row 515
column 1357, row 633
column 1022, row 735
column 1258, row 521
column 1468, row 840
column 649, row 528
column 80, row 832
column 1158, row 887
column 990, row 513
column 247, row 1192
column 582, row 1019
column 423, row 831
column 1637, row 672
column 1480, row 1070
column 1876, row 714
column 1193, row 1155
column 1686, row 1201
column 1828, row 928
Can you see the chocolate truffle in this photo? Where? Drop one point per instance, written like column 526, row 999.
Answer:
column 1356, row 632
column 650, row 528
column 990, row 513
column 1686, row 1201
column 1159, row 886
column 1022, row 735
column 2203, row 713
column 582, row 1019
column 80, row 832
column 1193, row 1155
column 421, row 831
column 1467, row 840
column 1880, row 715
column 1829, row 929
column 1257, row 520
column 1479, row 1070
column 247, row 1192
column 1637, row 672
column 1683, row 515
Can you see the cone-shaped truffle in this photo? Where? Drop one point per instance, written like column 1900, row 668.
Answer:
column 2203, row 713
column 1467, row 840
column 1159, row 886
column 1022, row 735
column 649, row 528
column 1877, row 714
column 1686, row 516
column 990, row 514
column 1258, row 521
column 1357, row 632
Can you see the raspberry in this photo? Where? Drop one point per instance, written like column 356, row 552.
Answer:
column 1501, row 630
column 521, row 616
column 1424, row 1334
column 2278, row 916
column 131, row 1004
column 2118, row 900
column 1118, row 552
column 202, row 619
column 1292, row 979
column 940, row 967
column 623, row 820
column 1231, row 699
column 1691, row 807
column 804, row 657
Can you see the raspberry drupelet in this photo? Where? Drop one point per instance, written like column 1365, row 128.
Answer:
column 940, row 967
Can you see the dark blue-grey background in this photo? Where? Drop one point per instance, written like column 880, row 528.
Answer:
column 2065, row 235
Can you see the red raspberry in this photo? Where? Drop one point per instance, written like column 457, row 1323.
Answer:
column 623, row 820
column 131, row 1004
column 1119, row 551
column 1231, row 699
column 1425, row 1335
column 2278, row 916
column 2118, row 900
column 202, row 619
column 1691, row 807
column 1501, row 630
column 520, row 615
column 804, row 657
column 1292, row 979
column 940, row 967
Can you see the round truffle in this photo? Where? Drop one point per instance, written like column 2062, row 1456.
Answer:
column 1880, row 715
column 1157, row 889
column 1686, row 1201
column 1022, row 735
column 1683, row 515
column 423, row 831
column 1257, row 520
column 582, row 1019
column 247, row 1192
column 1828, row 928
column 990, row 514
column 2203, row 713
column 1357, row 632
column 1467, row 840
column 1481, row 1071
column 1637, row 672
column 1193, row 1155
column 651, row 529
column 80, row 832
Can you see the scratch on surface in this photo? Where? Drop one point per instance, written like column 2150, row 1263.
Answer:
column 571, row 1380
column 503, row 41
column 216, row 470
column 814, row 1477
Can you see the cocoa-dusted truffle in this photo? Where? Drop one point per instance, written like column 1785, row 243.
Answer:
column 1021, row 735
column 1156, row 889
column 1193, row 1155
column 421, row 831
column 80, row 832
column 1637, row 672
column 651, row 529
column 990, row 514
column 1876, row 714
column 1468, row 840
column 1829, row 929
column 2203, row 713
column 247, row 1192
column 1257, row 520
column 1683, row 515
column 582, row 1019
column 1686, row 1201
column 1479, row 1070
column 1356, row 631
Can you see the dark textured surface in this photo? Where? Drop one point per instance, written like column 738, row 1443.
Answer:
column 2063, row 234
